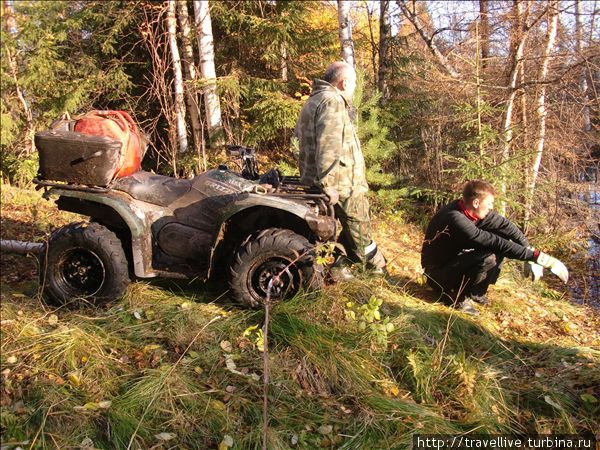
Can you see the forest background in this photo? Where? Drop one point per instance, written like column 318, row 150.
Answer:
column 448, row 91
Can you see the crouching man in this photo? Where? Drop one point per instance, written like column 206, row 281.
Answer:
column 466, row 242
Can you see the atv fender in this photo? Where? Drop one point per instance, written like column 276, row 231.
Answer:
column 131, row 213
column 309, row 223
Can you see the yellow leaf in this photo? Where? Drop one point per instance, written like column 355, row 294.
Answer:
column 74, row 378
column 394, row 390
column 218, row 405
column 150, row 348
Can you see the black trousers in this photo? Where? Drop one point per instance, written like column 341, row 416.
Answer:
column 470, row 273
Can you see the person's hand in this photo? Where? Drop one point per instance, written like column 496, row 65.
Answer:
column 555, row 266
column 333, row 195
column 532, row 270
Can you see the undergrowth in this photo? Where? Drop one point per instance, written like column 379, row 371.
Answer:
column 169, row 367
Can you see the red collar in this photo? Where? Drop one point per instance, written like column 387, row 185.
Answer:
column 466, row 212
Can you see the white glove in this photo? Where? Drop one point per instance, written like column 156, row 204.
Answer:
column 555, row 266
column 532, row 270
column 333, row 195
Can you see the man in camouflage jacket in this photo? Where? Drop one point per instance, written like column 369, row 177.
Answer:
column 331, row 158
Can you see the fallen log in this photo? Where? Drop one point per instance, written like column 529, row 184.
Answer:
column 19, row 247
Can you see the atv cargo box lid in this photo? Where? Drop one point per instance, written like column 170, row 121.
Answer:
column 77, row 158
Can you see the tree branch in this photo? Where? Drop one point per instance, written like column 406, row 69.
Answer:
column 416, row 22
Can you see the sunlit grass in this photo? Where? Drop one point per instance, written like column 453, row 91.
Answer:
column 169, row 366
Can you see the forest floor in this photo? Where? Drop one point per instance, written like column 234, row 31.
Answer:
column 177, row 365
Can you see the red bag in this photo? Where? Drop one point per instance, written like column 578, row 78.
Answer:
column 120, row 126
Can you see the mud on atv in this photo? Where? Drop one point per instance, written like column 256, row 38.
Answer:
column 146, row 225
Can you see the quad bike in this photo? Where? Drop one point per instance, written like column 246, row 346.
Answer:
column 144, row 225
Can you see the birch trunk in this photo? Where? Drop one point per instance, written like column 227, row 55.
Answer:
column 206, row 49
column 284, row 63
column 345, row 32
column 541, row 111
column 384, row 39
column 518, row 45
column 190, row 77
column 11, row 25
column 182, row 142
column 484, row 31
column 583, row 85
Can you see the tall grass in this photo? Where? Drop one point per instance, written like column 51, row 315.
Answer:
column 169, row 366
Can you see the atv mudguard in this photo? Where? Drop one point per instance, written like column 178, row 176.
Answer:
column 135, row 218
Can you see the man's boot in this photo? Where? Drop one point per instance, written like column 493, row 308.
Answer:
column 340, row 270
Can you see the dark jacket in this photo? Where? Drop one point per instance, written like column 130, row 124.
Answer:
column 450, row 232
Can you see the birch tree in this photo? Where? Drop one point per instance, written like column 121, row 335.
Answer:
column 413, row 17
column 583, row 85
column 518, row 37
column 541, row 111
column 345, row 32
column 190, row 77
column 484, row 31
column 206, row 50
column 11, row 25
column 182, row 142
column 384, row 41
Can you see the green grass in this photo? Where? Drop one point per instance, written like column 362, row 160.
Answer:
column 157, row 364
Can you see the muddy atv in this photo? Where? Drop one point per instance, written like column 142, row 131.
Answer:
column 144, row 225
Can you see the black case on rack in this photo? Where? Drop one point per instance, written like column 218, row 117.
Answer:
column 77, row 158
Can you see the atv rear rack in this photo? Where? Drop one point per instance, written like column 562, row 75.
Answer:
column 70, row 187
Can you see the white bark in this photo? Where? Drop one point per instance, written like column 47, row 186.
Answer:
column 190, row 76
column 20, row 247
column 384, row 39
column 583, row 85
column 11, row 25
column 207, row 67
column 519, row 37
column 182, row 141
column 541, row 101
column 345, row 31
column 413, row 17
column 284, row 63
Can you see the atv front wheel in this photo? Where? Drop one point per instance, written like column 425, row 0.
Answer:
column 83, row 263
column 267, row 254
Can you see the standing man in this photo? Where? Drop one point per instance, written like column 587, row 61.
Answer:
column 331, row 159
column 465, row 244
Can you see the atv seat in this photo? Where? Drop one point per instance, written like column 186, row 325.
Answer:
column 156, row 189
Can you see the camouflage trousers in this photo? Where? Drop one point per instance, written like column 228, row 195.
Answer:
column 353, row 214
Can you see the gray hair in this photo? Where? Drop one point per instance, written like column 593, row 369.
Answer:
column 336, row 72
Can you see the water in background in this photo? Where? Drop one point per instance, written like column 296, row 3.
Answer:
column 587, row 289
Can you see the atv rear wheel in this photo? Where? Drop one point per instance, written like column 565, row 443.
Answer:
column 83, row 263
column 267, row 254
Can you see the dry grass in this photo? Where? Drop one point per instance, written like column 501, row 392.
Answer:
column 167, row 367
